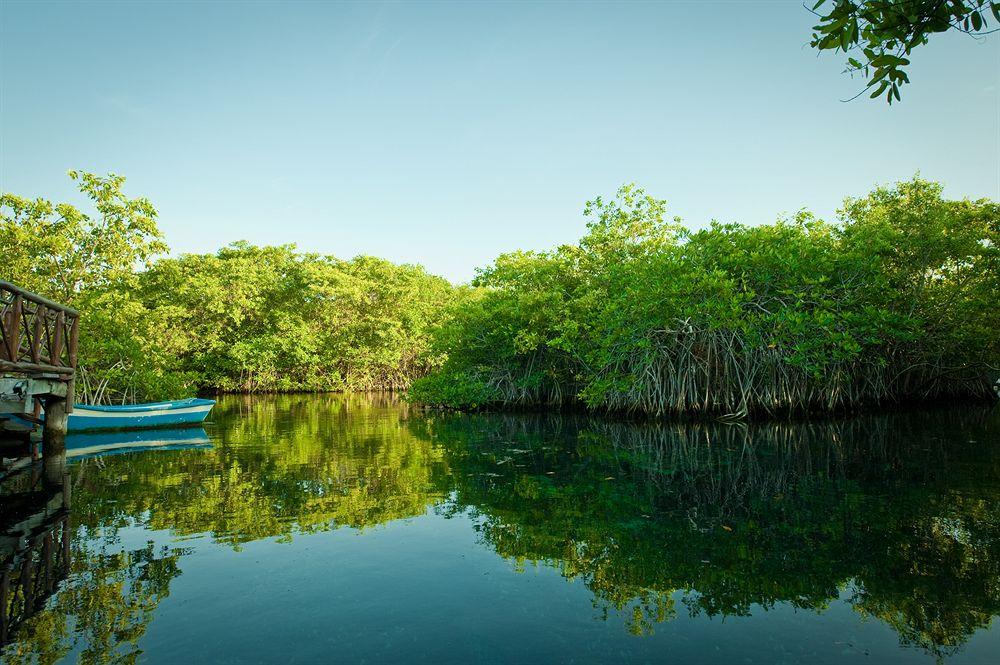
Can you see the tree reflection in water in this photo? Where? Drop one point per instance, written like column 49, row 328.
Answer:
column 896, row 514
column 900, row 512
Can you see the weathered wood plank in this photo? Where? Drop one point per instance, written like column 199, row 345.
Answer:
column 55, row 351
column 33, row 368
column 35, row 298
column 74, row 338
column 36, row 341
column 14, row 331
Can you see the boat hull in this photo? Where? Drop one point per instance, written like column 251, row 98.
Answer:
column 182, row 413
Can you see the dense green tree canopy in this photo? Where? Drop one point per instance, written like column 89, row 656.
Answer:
column 243, row 319
column 255, row 319
column 893, row 303
column 63, row 253
column 890, row 304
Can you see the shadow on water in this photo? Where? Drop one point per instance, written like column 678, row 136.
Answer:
column 899, row 516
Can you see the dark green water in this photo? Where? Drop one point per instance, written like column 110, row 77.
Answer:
column 320, row 529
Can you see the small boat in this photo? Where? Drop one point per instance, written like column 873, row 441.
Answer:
column 99, row 444
column 179, row 413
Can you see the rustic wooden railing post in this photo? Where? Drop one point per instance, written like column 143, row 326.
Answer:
column 74, row 338
column 6, row 352
column 55, row 351
column 12, row 328
column 36, row 342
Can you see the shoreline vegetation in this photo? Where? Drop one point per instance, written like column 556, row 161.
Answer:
column 894, row 304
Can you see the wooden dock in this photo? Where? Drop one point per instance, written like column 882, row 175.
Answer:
column 38, row 358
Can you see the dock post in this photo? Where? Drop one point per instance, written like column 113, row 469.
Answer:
column 54, row 440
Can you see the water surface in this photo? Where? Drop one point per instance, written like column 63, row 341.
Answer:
column 357, row 529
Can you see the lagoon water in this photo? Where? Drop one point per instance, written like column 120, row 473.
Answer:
column 358, row 529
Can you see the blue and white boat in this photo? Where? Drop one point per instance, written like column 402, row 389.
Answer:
column 178, row 413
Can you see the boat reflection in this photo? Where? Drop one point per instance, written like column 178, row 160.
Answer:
column 100, row 444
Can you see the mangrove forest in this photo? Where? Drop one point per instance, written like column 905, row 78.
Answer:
column 497, row 332
column 894, row 303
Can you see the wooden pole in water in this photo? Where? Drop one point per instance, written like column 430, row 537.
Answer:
column 54, row 440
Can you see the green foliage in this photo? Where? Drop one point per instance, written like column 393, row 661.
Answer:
column 892, row 304
column 453, row 390
column 880, row 35
column 244, row 319
column 254, row 319
column 61, row 252
column 127, row 352
column 90, row 261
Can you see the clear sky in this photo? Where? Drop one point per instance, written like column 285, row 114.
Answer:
column 446, row 133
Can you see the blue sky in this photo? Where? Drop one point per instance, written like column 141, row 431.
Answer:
column 447, row 133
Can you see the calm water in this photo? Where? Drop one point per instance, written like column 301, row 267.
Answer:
column 315, row 529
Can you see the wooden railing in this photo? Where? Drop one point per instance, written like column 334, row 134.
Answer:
column 37, row 335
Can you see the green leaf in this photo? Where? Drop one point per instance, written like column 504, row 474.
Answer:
column 881, row 89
